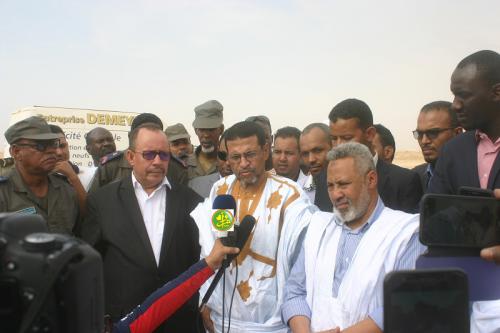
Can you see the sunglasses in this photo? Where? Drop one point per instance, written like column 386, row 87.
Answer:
column 222, row 155
column 40, row 146
column 431, row 134
column 150, row 155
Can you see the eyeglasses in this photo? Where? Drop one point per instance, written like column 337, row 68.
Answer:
column 40, row 146
column 431, row 134
column 150, row 155
column 222, row 155
column 249, row 156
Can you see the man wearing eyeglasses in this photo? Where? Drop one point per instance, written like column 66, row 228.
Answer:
column 282, row 211
column 436, row 125
column 30, row 188
column 142, row 228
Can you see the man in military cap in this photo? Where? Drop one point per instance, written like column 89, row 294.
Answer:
column 180, row 141
column 208, row 127
column 115, row 166
column 31, row 188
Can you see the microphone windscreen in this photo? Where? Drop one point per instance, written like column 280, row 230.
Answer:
column 244, row 230
column 224, row 201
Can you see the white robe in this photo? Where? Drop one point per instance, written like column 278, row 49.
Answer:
column 282, row 213
column 361, row 290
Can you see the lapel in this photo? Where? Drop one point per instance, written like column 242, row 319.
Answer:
column 470, row 161
column 172, row 219
column 133, row 212
column 494, row 173
column 383, row 175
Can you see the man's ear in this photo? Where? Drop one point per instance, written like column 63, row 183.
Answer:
column 372, row 179
column 15, row 152
column 496, row 92
column 266, row 148
column 129, row 154
column 370, row 133
column 389, row 153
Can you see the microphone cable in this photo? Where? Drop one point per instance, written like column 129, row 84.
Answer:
column 223, row 297
column 232, row 296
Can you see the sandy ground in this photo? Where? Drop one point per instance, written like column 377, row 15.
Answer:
column 408, row 159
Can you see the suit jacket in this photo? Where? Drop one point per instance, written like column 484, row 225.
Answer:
column 202, row 185
column 421, row 170
column 321, row 198
column 398, row 187
column 114, row 225
column 457, row 166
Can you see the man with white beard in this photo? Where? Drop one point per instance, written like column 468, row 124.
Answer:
column 208, row 127
column 337, row 280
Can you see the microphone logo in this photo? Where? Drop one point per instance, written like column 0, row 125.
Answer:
column 223, row 220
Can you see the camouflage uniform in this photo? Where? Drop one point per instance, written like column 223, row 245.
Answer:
column 59, row 208
column 115, row 166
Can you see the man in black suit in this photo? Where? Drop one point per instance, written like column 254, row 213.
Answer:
column 142, row 228
column 472, row 159
column 315, row 144
column 436, row 125
column 399, row 188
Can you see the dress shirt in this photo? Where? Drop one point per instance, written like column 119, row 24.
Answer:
column 153, row 208
column 487, row 152
column 306, row 183
column 295, row 303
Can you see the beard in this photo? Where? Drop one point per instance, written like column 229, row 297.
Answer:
column 208, row 150
column 355, row 210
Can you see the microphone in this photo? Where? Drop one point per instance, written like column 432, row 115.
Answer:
column 223, row 218
column 243, row 231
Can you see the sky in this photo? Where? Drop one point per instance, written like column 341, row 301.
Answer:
column 289, row 60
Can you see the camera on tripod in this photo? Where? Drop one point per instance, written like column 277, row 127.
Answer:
column 48, row 282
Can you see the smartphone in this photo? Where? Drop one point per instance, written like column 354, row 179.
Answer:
column 475, row 192
column 459, row 221
column 426, row 301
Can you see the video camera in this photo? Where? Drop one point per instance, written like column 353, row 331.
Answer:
column 48, row 282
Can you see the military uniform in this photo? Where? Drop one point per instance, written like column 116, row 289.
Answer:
column 59, row 208
column 194, row 168
column 115, row 166
column 6, row 166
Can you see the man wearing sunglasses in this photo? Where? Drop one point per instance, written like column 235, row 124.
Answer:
column 115, row 166
column 202, row 185
column 436, row 125
column 142, row 228
column 31, row 188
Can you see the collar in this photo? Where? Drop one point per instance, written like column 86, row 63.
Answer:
column 429, row 170
column 375, row 159
column 136, row 184
column 374, row 217
column 481, row 136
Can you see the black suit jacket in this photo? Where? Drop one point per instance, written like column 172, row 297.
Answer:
column 321, row 198
column 398, row 187
column 457, row 166
column 114, row 225
column 421, row 170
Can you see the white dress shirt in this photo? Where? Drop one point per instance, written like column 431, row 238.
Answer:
column 153, row 208
column 307, row 184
